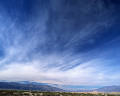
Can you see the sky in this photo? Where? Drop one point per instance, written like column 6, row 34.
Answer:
column 65, row 42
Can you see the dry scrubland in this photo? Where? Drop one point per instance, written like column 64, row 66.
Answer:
column 37, row 93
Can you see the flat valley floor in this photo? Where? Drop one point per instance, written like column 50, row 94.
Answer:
column 38, row 93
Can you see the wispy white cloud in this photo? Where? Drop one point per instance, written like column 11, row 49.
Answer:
column 38, row 50
column 40, row 71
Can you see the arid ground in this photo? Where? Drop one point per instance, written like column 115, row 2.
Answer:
column 38, row 93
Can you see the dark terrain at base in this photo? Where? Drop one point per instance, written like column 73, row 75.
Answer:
column 38, row 93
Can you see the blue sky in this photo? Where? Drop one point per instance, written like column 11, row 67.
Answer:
column 65, row 42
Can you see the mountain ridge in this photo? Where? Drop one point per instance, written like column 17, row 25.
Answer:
column 23, row 85
column 20, row 86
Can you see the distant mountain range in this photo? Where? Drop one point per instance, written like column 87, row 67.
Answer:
column 109, row 89
column 103, row 89
column 29, row 86
column 26, row 85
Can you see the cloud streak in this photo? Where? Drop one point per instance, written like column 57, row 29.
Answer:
column 63, row 42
